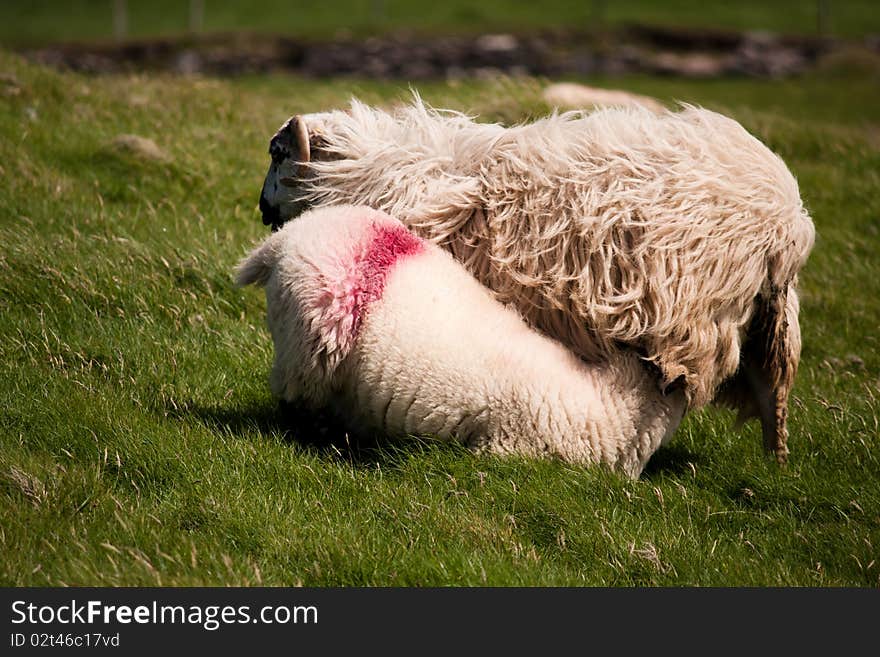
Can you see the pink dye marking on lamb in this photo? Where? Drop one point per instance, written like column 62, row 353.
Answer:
column 386, row 246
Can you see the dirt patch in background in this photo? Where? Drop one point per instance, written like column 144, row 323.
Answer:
column 635, row 49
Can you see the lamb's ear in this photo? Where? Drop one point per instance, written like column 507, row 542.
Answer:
column 257, row 266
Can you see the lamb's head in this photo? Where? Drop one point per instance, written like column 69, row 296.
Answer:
column 321, row 272
column 297, row 142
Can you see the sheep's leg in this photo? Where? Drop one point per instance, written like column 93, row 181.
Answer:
column 770, row 360
column 781, row 363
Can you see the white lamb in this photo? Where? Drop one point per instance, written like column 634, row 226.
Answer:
column 675, row 236
column 394, row 335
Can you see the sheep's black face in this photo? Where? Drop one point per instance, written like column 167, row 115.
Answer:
column 289, row 150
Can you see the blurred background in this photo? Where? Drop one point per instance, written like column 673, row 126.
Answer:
column 42, row 20
column 406, row 40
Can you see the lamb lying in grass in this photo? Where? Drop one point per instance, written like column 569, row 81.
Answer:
column 396, row 336
column 676, row 236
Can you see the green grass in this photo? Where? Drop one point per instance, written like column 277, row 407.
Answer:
column 35, row 21
column 139, row 443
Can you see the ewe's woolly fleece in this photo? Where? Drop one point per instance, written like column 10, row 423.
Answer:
column 621, row 227
column 395, row 335
column 677, row 236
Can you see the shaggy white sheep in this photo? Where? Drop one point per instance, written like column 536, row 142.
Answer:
column 571, row 95
column 394, row 335
column 677, row 236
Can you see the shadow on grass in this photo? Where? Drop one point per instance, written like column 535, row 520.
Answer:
column 670, row 460
column 320, row 433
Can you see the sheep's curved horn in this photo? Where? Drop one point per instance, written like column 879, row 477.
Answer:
column 301, row 136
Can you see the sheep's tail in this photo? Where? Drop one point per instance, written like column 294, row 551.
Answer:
column 256, row 268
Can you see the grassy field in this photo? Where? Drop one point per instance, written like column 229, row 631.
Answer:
column 139, row 443
column 34, row 21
